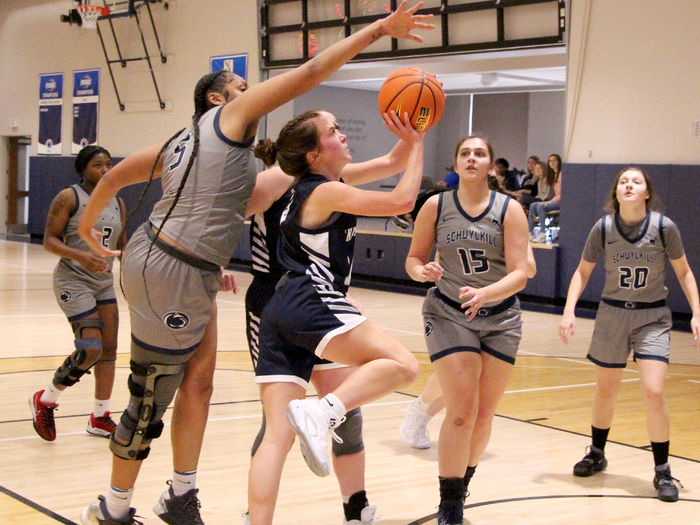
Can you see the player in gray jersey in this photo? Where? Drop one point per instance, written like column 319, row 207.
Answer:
column 636, row 243
column 472, row 316
column 171, row 270
column 84, row 290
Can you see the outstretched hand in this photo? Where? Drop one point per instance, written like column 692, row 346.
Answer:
column 402, row 127
column 401, row 22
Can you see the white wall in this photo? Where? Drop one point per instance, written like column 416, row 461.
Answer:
column 34, row 41
column 634, row 81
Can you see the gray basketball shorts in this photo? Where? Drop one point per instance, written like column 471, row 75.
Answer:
column 170, row 301
column 77, row 296
column 617, row 331
column 448, row 330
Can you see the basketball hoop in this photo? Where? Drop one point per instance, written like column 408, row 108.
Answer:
column 90, row 13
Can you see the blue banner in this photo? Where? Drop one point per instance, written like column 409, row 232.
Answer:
column 50, row 113
column 237, row 64
column 86, row 95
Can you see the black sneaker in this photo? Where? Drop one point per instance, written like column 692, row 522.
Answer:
column 594, row 461
column 451, row 512
column 664, row 483
column 179, row 510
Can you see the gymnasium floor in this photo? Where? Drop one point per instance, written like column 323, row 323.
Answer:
column 525, row 476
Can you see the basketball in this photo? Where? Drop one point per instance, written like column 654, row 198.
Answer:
column 416, row 92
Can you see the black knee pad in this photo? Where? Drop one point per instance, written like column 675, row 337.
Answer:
column 350, row 431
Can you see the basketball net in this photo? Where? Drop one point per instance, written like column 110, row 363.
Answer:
column 90, row 13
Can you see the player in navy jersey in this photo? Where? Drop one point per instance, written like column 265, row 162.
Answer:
column 171, row 266
column 84, row 289
column 274, row 184
column 310, row 314
column 635, row 243
column 472, row 316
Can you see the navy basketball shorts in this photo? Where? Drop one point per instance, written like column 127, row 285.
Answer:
column 296, row 326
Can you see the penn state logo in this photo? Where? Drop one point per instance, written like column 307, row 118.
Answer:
column 176, row 320
column 494, row 220
column 428, row 328
column 652, row 240
column 65, row 296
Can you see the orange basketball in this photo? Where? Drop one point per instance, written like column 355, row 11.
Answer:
column 416, row 92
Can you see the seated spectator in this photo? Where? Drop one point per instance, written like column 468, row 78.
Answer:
column 449, row 182
column 548, row 198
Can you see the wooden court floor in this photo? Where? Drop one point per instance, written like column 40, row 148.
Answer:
column 525, row 476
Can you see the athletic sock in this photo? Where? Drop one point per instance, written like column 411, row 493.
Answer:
column 421, row 403
column 335, row 408
column 101, row 407
column 660, row 451
column 599, row 437
column 50, row 394
column 184, row 482
column 353, row 505
column 118, row 502
column 468, row 475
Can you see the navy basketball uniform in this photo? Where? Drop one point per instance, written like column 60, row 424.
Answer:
column 632, row 315
column 309, row 307
column 471, row 254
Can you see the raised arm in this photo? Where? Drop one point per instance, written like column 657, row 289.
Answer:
column 578, row 283
column 686, row 279
column 133, row 169
column 336, row 196
column 387, row 165
column 240, row 117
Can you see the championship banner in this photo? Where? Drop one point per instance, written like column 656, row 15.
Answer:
column 50, row 113
column 237, row 64
column 86, row 91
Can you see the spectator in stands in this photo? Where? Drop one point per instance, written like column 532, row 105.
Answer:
column 449, row 182
column 548, row 198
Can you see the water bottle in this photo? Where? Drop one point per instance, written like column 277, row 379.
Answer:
column 548, row 235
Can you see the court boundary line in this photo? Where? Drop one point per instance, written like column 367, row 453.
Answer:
column 29, row 503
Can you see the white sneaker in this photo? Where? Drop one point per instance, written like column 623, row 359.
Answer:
column 97, row 514
column 368, row 516
column 540, row 238
column 414, row 429
column 312, row 424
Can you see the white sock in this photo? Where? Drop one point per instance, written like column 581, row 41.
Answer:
column 184, row 482
column 118, row 502
column 101, row 407
column 51, row 394
column 421, row 403
column 335, row 408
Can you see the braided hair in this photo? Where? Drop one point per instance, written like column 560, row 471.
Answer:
column 210, row 83
column 297, row 138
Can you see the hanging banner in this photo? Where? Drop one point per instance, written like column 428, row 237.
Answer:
column 86, row 91
column 237, row 64
column 50, row 113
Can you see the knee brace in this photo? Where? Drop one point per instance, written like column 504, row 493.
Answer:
column 79, row 324
column 68, row 373
column 152, row 387
column 351, row 434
